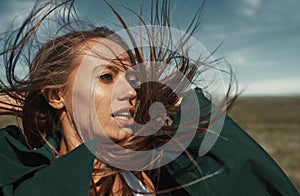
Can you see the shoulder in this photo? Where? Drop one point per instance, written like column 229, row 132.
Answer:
column 13, row 149
column 235, row 164
column 23, row 168
column 11, row 131
column 16, row 161
column 9, row 137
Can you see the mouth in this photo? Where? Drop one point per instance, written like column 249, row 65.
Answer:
column 124, row 117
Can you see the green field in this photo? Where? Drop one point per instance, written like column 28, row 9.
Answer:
column 272, row 122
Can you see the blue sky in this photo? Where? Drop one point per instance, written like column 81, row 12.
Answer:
column 261, row 38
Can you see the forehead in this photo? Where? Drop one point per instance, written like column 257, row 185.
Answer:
column 94, row 57
column 103, row 51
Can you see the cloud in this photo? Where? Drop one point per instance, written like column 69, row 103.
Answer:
column 247, row 58
column 14, row 11
column 274, row 87
column 250, row 7
column 253, row 3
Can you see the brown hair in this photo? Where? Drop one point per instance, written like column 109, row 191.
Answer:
column 54, row 60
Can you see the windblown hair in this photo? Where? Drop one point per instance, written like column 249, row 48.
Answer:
column 49, row 64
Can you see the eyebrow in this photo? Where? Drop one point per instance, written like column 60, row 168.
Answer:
column 113, row 68
column 119, row 64
column 116, row 65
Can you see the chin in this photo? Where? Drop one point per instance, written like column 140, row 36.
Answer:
column 123, row 134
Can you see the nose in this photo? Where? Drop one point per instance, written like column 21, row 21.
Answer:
column 126, row 91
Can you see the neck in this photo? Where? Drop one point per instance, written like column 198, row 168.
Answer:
column 70, row 139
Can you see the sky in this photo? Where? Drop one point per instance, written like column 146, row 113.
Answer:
column 260, row 38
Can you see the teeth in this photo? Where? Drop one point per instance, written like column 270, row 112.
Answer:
column 122, row 115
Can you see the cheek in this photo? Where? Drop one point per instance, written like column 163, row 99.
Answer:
column 104, row 108
column 104, row 113
column 102, row 100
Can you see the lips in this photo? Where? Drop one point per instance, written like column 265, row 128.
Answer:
column 124, row 117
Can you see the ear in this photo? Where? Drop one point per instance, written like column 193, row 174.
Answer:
column 54, row 97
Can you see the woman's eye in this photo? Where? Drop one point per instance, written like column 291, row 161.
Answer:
column 106, row 77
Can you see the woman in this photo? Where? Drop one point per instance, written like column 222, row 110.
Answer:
column 54, row 153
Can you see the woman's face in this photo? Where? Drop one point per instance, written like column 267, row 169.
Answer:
column 105, row 73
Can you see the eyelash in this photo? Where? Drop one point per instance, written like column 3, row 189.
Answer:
column 106, row 77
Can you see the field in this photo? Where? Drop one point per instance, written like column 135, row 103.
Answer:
column 273, row 122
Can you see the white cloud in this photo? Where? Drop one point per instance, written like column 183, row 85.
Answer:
column 279, row 87
column 238, row 60
column 249, row 12
column 260, row 76
column 253, row 3
column 247, row 58
column 250, row 7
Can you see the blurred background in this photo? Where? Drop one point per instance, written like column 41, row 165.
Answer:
column 261, row 41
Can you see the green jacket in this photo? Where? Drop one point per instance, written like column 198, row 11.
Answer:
column 236, row 163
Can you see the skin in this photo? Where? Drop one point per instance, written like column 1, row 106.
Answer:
column 114, row 97
column 113, row 92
